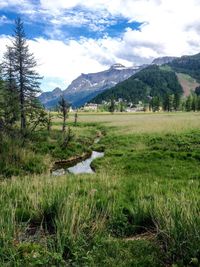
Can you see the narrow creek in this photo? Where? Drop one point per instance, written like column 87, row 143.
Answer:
column 81, row 167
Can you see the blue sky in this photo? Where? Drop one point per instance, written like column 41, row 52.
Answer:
column 81, row 36
column 67, row 26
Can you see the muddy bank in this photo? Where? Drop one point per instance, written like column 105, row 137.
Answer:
column 63, row 164
column 78, row 164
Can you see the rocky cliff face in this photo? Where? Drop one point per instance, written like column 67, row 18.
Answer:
column 87, row 86
column 163, row 60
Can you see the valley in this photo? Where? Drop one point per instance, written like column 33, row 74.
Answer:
column 165, row 76
column 139, row 208
column 99, row 133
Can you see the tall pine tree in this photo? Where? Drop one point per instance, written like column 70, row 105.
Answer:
column 11, row 93
column 112, row 105
column 27, row 79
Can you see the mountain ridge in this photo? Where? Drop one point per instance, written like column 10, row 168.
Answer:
column 149, row 82
column 87, row 86
column 178, row 76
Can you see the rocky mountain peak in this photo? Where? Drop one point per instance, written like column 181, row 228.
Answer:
column 117, row 66
column 87, row 86
column 57, row 90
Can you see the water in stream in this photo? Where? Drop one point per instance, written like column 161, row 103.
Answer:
column 81, row 167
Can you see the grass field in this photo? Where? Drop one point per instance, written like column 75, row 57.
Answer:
column 140, row 208
column 146, row 123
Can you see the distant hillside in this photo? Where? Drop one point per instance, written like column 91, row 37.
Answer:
column 156, row 79
column 188, row 83
column 151, row 81
column 87, row 86
column 187, row 64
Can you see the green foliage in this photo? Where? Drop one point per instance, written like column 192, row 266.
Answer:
column 35, row 153
column 63, row 107
column 188, row 104
column 197, row 91
column 176, row 101
column 2, row 90
column 139, row 209
column 125, row 253
column 30, row 254
column 155, row 103
column 187, row 64
column 169, row 103
column 11, row 94
column 151, row 81
column 132, row 90
column 112, row 106
column 17, row 159
column 192, row 103
column 26, row 78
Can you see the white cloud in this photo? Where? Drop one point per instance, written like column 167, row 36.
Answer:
column 5, row 20
column 20, row 5
column 66, row 61
column 87, row 18
column 4, row 40
column 171, row 27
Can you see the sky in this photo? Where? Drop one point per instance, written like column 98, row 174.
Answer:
column 70, row 37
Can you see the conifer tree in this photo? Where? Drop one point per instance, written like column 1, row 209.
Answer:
column 27, row 79
column 176, row 102
column 188, row 103
column 155, row 103
column 198, row 103
column 11, row 93
column 1, row 101
column 194, row 102
column 112, row 105
column 197, row 90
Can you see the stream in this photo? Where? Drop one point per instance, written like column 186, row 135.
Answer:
column 81, row 167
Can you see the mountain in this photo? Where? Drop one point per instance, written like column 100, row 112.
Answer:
column 151, row 81
column 87, row 86
column 188, row 83
column 165, row 75
column 163, row 60
column 47, row 97
column 188, row 65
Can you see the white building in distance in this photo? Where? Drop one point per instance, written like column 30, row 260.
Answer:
column 91, row 107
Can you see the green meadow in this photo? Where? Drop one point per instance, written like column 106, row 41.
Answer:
column 140, row 208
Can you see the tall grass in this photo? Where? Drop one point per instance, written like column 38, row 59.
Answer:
column 71, row 212
column 146, row 183
column 66, row 210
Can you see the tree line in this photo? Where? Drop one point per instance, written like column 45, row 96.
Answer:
column 174, row 102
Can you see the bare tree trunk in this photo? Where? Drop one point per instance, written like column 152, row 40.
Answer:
column 64, row 108
column 64, row 121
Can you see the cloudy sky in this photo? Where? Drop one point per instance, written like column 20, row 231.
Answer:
column 70, row 37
